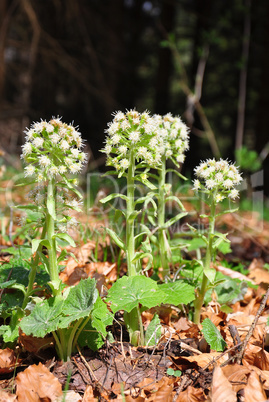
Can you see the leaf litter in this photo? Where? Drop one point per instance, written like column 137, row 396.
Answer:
column 118, row 371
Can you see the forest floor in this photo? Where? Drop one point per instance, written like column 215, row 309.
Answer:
column 181, row 367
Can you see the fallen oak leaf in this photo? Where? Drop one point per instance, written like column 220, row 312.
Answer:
column 237, row 375
column 36, row 383
column 254, row 391
column 221, row 389
column 8, row 360
column 7, row 397
column 191, row 394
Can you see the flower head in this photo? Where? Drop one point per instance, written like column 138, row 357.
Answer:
column 219, row 178
column 54, row 148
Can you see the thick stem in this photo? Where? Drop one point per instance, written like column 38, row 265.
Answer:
column 163, row 243
column 59, row 346
column 133, row 318
column 70, row 343
column 130, row 241
column 50, row 221
column 32, row 273
column 198, row 304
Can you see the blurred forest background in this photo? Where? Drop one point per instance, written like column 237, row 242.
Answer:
column 205, row 60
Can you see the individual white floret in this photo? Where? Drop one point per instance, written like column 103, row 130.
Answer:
column 210, row 183
column 29, row 170
column 115, row 139
column 233, row 194
column 62, row 169
column 123, row 149
column 113, row 128
column 180, row 158
column 134, row 136
column 219, row 197
column 75, row 167
column 64, row 145
column 27, row 148
column 142, row 151
column 196, row 184
column 75, row 152
column 228, row 183
column 53, row 171
column 38, row 142
column 55, row 138
column 124, row 163
column 44, row 161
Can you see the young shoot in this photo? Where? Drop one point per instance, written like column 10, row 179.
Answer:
column 216, row 181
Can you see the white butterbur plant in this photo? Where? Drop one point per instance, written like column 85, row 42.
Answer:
column 216, row 181
column 171, row 141
column 52, row 155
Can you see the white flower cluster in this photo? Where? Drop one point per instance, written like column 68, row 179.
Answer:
column 150, row 137
column 219, row 178
column 52, row 148
column 172, row 137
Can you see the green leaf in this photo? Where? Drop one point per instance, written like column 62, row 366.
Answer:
column 44, row 318
column 178, row 292
column 130, row 291
column 27, row 207
column 51, row 207
column 153, row 332
column 177, row 173
column 196, row 243
column 37, row 242
column 175, row 373
column 132, row 216
column 210, row 273
column 79, row 301
column 176, row 200
column 115, row 238
column 101, row 317
column 174, row 220
column 112, row 196
column 213, row 336
column 66, row 237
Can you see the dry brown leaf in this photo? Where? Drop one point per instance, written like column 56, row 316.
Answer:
column 33, row 344
column 256, row 356
column 205, row 358
column 257, row 273
column 221, row 389
column 7, row 397
column 254, row 391
column 233, row 274
column 243, row 323
column 164, row 392
column 237, row 375
column 88, row 395
column 8, row 360
column 37, row 382
column 191, row 394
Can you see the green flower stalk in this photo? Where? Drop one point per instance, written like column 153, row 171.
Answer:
column 216, row 180
column 172, row 140
column 131, row 150
column 52, row 151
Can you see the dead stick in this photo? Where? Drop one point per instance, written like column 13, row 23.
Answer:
column 251, row 329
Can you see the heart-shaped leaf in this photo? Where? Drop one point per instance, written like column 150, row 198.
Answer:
column 130, row 291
